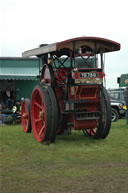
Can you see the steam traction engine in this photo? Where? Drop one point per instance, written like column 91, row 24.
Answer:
column 71, row 93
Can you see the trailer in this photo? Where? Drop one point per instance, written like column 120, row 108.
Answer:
column 123, row 80
column 71, row 93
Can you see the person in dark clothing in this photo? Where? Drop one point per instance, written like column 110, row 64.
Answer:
column 126, row 101
column 8, row 98
column 3, row 115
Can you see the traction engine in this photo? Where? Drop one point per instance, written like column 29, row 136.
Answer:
column 71, row 93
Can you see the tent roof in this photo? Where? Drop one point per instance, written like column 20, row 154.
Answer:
column 18, row 68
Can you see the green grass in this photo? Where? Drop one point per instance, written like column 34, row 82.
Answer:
column 74, row 163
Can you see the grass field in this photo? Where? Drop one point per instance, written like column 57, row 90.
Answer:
column 74, row 164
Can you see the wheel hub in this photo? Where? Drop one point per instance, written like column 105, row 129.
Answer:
column 41, row 114
column 25, row 115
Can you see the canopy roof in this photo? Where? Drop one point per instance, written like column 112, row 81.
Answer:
column 18, row 68
column 95, row 44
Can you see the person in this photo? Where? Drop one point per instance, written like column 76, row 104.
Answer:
column 16, row 111
column 125, row 93
column 3, row 115
column 8, row 98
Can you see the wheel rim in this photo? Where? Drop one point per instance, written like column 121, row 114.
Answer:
column 90, row 132
column 38, row 116
column 107, row 113
column 25, row 116
column 113, row 116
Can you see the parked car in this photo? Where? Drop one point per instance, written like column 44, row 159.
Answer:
column 117, row 103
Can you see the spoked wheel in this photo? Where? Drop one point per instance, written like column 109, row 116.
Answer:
column 41, row 114
column 107, row 114
column 54, row 111
column 104, row 122
column 25, row 116
column 90, row 133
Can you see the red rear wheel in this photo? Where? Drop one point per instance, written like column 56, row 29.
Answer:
column 104, row 123
column 40, row 114
column 89, row 132
column 107, row 114
column 25, row 116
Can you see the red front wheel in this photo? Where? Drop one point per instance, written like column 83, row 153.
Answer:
column 25, row 116
column 41, row 114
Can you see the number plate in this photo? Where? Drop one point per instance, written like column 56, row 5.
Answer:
column 88, row 75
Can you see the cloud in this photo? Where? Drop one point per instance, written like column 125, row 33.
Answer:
column 25, row 24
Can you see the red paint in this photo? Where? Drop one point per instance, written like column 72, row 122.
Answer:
column 24, row 117
column 78, row 125
column 116, row 46
column 38, row 122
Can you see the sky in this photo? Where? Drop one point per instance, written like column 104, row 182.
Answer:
column 25, row 24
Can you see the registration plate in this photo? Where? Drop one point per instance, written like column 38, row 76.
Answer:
column 88, row 75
